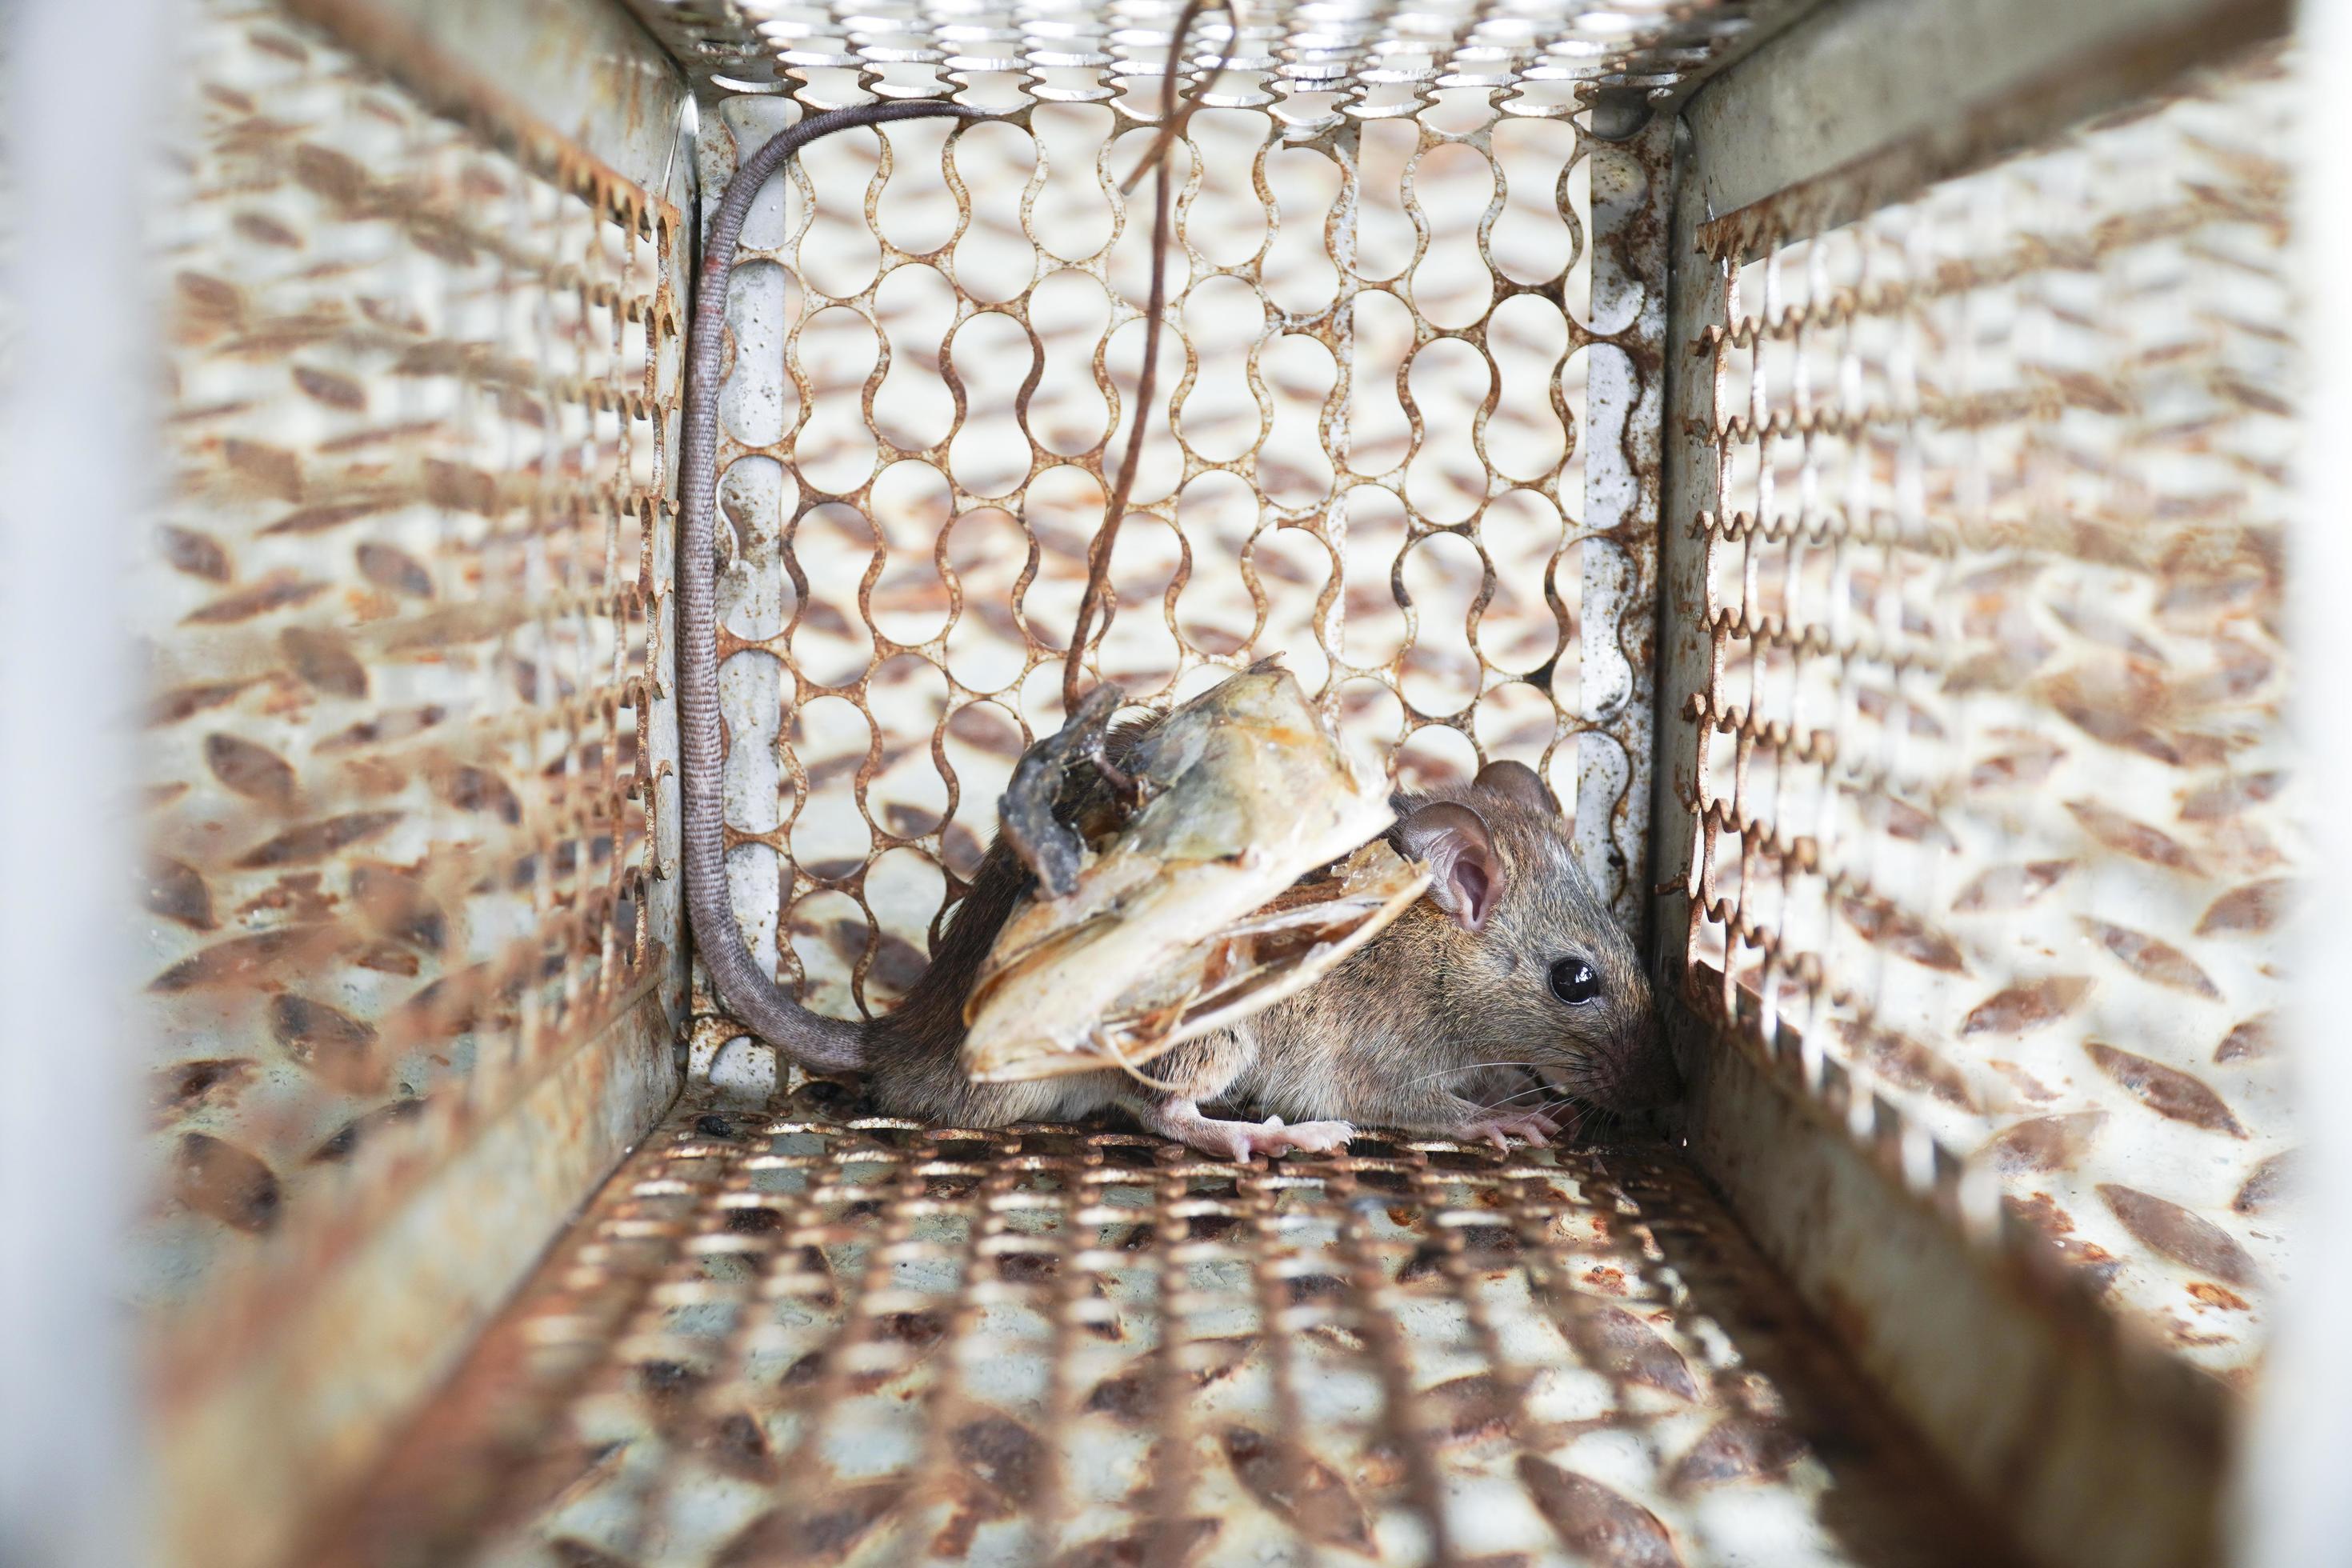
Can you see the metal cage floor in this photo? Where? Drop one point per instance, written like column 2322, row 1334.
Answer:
column 800, row 1335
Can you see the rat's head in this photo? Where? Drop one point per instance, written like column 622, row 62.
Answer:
column 1530, row 960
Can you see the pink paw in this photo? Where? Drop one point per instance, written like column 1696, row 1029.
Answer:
column 1239, row 1140
column 1309, row 1137
column 1532, row 1126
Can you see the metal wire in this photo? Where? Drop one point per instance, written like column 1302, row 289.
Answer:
column 395, row 761
column 1996, row 794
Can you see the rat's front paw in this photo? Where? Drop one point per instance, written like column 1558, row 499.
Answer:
column 1239, row 1140
column 1500, row 1127
column 1307, row 1137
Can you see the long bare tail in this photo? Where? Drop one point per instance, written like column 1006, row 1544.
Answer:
column 827, row 1045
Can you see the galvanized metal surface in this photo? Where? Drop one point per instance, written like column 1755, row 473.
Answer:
column 784, row 1337
column 408, row 777
column 412, row 947
column 2084, row 1425
column 2098, row 1447
column 1868, row 101
column 1633, row 194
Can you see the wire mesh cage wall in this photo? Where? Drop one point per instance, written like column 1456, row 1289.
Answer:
column 1873, row 529
column 1378, row 349
column 2058, row 393
column 1982, row 813
column 416, row 944
column 400, row 739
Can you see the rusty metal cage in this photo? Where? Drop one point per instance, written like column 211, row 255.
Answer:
column 1863, row 491
column 1928, row 449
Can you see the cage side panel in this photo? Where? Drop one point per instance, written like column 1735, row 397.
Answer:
column 1976, row 802
column 2013, row 1375
column 1368, row 456
column 413, row 933
column 1315, row 63
column 242, row 1464
column 2095, row 1451
column 576, row 80
column 1698, row 313
column 1998, row 809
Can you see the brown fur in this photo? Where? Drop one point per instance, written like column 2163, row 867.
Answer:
column 1426, row 1027
column 1408, row 1030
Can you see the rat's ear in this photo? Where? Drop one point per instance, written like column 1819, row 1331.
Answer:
column 1466, row 874
column 1518, row 782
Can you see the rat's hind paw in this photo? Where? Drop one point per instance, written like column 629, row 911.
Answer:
column 1501, row 1127
column 1239, row 1140
column 1308, row 1137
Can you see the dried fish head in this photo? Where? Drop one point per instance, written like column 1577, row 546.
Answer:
column 1193, row 915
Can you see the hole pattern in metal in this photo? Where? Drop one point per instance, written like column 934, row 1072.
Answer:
column 1995, row 814
column 1368, row 458
column 405, row 759
column 790, row 1338
column 1316, row 62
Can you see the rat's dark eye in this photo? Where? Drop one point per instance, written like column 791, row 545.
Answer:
column 1574, row 981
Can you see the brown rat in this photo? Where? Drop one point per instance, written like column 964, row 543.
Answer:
column 1501, row 995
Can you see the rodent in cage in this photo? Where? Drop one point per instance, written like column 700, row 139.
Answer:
column 1511, row 981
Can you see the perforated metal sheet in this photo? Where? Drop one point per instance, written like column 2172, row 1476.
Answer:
column 407, row 760
column 1369, row 457
column 398, row 770
column 1319, row 61
column 785, row 1338
column 1995, row 810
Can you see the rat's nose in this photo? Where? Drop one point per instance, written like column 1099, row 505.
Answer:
column 1646, row 1078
